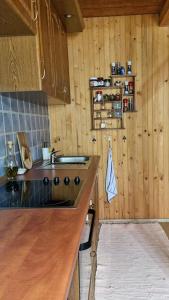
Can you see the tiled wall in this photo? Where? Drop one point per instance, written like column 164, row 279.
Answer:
column 26, row 112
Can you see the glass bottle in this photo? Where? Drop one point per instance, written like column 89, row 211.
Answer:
column 11, row 167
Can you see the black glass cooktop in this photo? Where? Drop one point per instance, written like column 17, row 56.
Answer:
column 40, row 193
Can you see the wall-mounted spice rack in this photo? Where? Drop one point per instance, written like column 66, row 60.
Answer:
column 109, row 103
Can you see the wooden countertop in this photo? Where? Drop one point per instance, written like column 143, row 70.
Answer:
column 39, row 247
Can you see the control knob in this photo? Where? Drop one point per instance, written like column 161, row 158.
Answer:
column 56, row 180
column 46, row 180
column 66, row 180
column 77, row 180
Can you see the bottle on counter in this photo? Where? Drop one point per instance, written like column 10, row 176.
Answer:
column 11, row 166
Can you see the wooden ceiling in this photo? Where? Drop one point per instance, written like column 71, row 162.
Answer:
column 101, row 8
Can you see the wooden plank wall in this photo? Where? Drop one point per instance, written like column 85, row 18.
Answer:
column 142, row 161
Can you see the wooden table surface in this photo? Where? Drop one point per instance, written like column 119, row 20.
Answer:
column 39, row 247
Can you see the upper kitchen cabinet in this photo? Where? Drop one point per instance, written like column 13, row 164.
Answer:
column 17, row 17
column 37, row 63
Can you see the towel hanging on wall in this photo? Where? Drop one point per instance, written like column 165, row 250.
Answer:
column 111, row 187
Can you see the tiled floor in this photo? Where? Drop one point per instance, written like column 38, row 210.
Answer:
column 133, row 263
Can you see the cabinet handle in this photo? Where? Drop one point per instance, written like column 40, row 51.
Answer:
column 87, row 245
column 35, row 11
column 44, row 73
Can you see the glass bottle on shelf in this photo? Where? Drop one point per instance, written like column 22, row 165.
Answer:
column 11, row 167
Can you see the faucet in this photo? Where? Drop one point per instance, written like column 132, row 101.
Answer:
column 53, row 156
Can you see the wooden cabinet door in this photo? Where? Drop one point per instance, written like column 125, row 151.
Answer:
column 56, row 55
column 65, row 66
column 45, row 45
column 17, row 18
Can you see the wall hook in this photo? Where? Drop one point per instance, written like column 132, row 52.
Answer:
column 94, row 140
column 124, row 138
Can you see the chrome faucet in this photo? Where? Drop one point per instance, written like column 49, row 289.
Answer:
column 53, row 156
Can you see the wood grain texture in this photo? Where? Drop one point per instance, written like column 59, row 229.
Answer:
column 16, row 18
column 142, row 160
column 67, row 7
column 102, row 8
column 164, row 14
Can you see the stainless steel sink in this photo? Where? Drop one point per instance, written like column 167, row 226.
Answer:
column 69, row 161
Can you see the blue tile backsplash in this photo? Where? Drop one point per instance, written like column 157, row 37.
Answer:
column 23, row 112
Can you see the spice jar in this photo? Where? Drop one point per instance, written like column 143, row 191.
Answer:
column 100, row 81
column 125, row 104
column 118, row 97
column 107, row 82
column 99, row 96
column 129, row 68
column 131, row 87
column 98, row 114
column 126, row 88
column 93, row 82
column 113, row 68
column 103, row 124
column 130, row 104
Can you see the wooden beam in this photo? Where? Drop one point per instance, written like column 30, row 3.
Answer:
column 164, row 14
column 70, row 7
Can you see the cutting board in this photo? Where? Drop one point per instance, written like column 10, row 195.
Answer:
column 25, row 152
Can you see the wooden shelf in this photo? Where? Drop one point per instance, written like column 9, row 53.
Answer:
column 125, row 75
column 115, row 122
column 127, row 95
column 106, row 101
column 120, row 128
column 105, row 87
column 107, row 118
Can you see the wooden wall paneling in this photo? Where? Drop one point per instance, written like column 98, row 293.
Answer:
column 149, row 131
column 165, row 206
column 155, row 206
column 137, row 149
column 145, row 133
column 141, row 162
column 160, row 150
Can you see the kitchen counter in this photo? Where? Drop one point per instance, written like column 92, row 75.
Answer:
column 39, row 247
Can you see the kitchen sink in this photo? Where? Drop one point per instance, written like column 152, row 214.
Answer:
column 71, row 159
column 67, row 161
